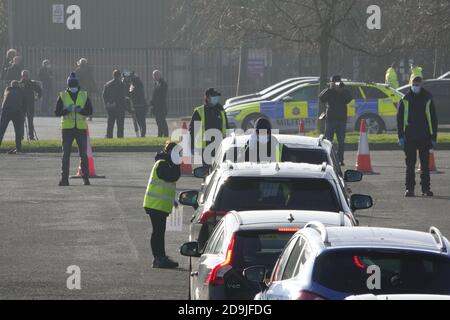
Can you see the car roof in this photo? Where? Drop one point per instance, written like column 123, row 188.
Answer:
column 301, row 141
column 277, row 170
column 272, row 219
column 369, row 237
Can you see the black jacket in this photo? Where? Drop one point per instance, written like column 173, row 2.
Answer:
column 30, row 88
column 115, row 93
column 14, row 100
column 137, row 94
column 46, row 77
column 213, row 120
column 159, row 98
column 87, row 110
column 14, row 72
column 336, row 103
column 6, row 65
column 167, row 170
column 418, row 128
column 85, row 75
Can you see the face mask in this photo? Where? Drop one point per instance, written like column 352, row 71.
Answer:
column 416, row 89
column 73, row 90
column 215, row 100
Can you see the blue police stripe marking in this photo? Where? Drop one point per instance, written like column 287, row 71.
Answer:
column 273, row 110
column 366, row 106
column 313, row 109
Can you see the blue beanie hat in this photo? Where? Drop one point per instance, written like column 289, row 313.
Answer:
column 72, row 81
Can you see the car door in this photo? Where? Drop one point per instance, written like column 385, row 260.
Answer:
column 304, row 105
column 355, row 107
column 210, row 258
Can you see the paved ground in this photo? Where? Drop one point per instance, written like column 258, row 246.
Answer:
column 49, row 128
column 102, row 228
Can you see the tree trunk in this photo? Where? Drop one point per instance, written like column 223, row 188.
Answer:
column 324, row 48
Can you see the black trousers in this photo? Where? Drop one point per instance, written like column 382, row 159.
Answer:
column 115, row 116
column 411, row 148
column 141, row 114
column 18, row 121
column 157, row 240
column 68, row 136
column 163, row 128
column 30, row 119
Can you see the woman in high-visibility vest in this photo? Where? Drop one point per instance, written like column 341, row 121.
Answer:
column 160, row 199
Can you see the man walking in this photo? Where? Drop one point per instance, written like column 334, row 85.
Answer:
column 30, row 89
column 417, row 131
column 14, row 72
column 13, row 109
column 159, row 201
column 159, row 103
column 337, row 98
column 46, row 77
column 73, row 107
column 114, row 94
column 10, row 55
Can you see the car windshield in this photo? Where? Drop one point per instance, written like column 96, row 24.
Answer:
column 259, row 248
column 400, row 272
column 262, row 193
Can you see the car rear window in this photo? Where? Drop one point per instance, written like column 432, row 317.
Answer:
column 262, row 193
column 373, row 93
column 400, row 272
column 297, row 155
column 261, row 248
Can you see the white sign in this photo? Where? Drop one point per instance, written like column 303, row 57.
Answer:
column 175, row 220
column 58, row 13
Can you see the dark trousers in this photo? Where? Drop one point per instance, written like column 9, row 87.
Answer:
column 18, row 121
column 157, row 241
column 340, row 129
column 163, row 128
column 141, row 114
column 411, row 148
column 68, row 136
column 30, row 119
column 46, row 106
column 115, row 116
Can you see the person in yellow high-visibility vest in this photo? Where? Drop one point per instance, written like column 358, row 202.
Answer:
column 160, row 199
column 416, row 71
column 209, row 116
column 73, row 106
column 392, row 77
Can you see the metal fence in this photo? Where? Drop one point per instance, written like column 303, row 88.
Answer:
column 188, row 73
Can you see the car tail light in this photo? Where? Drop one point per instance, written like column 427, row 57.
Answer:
column 216, row 276
column 289, row 230
column 210, row 216
column 305, row 295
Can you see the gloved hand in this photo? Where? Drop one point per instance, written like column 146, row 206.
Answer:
column 77, row 109
column 401, row 142
column 70, row 109
column 434, row 143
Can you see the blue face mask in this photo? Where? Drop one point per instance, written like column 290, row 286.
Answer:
column 73, row 90
column 215, row 100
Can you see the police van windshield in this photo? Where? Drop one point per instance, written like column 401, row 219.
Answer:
column 262, row 193
column 399, row 272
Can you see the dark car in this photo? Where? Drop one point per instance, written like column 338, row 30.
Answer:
column 440, row 89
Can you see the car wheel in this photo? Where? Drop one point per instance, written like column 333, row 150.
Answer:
column 250, row 121
column 375, row 125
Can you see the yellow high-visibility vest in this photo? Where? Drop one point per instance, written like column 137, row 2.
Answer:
column 406, row 115
column 392, row 78
column 160, row 195
column 74, row 120
column 200, row 138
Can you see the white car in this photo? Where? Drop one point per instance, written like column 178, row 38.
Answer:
column 401, row 297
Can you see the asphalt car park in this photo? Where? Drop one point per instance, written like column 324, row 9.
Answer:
column 103, row 229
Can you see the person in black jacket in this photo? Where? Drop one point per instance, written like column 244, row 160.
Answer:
column 114, row 97
column 30, row 89
column 14, row 72
column 337, row 98
column 10, row 55
column 13, row 109
column 46, row 77
column 159, row 103
column 417, row 125
column 140, row 107
column 77, row 130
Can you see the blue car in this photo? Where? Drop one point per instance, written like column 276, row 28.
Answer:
column 322, row 263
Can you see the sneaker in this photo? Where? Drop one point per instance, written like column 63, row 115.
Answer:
column 409, row 194
column 64, row 183
column 164, row 263
column 427, row 193
column 86, row 182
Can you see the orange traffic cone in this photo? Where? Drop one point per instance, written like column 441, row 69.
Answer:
column 301, row 127
column 363, row 163
column 186, row 163
column 431, row 164
column 91, row 165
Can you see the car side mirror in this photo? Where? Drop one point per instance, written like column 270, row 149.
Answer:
column 189, row 198
column 255, row 274
column 361, row 202
column 201, row 172
column 288, row 99
column 353, row 176
column 190, row 249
